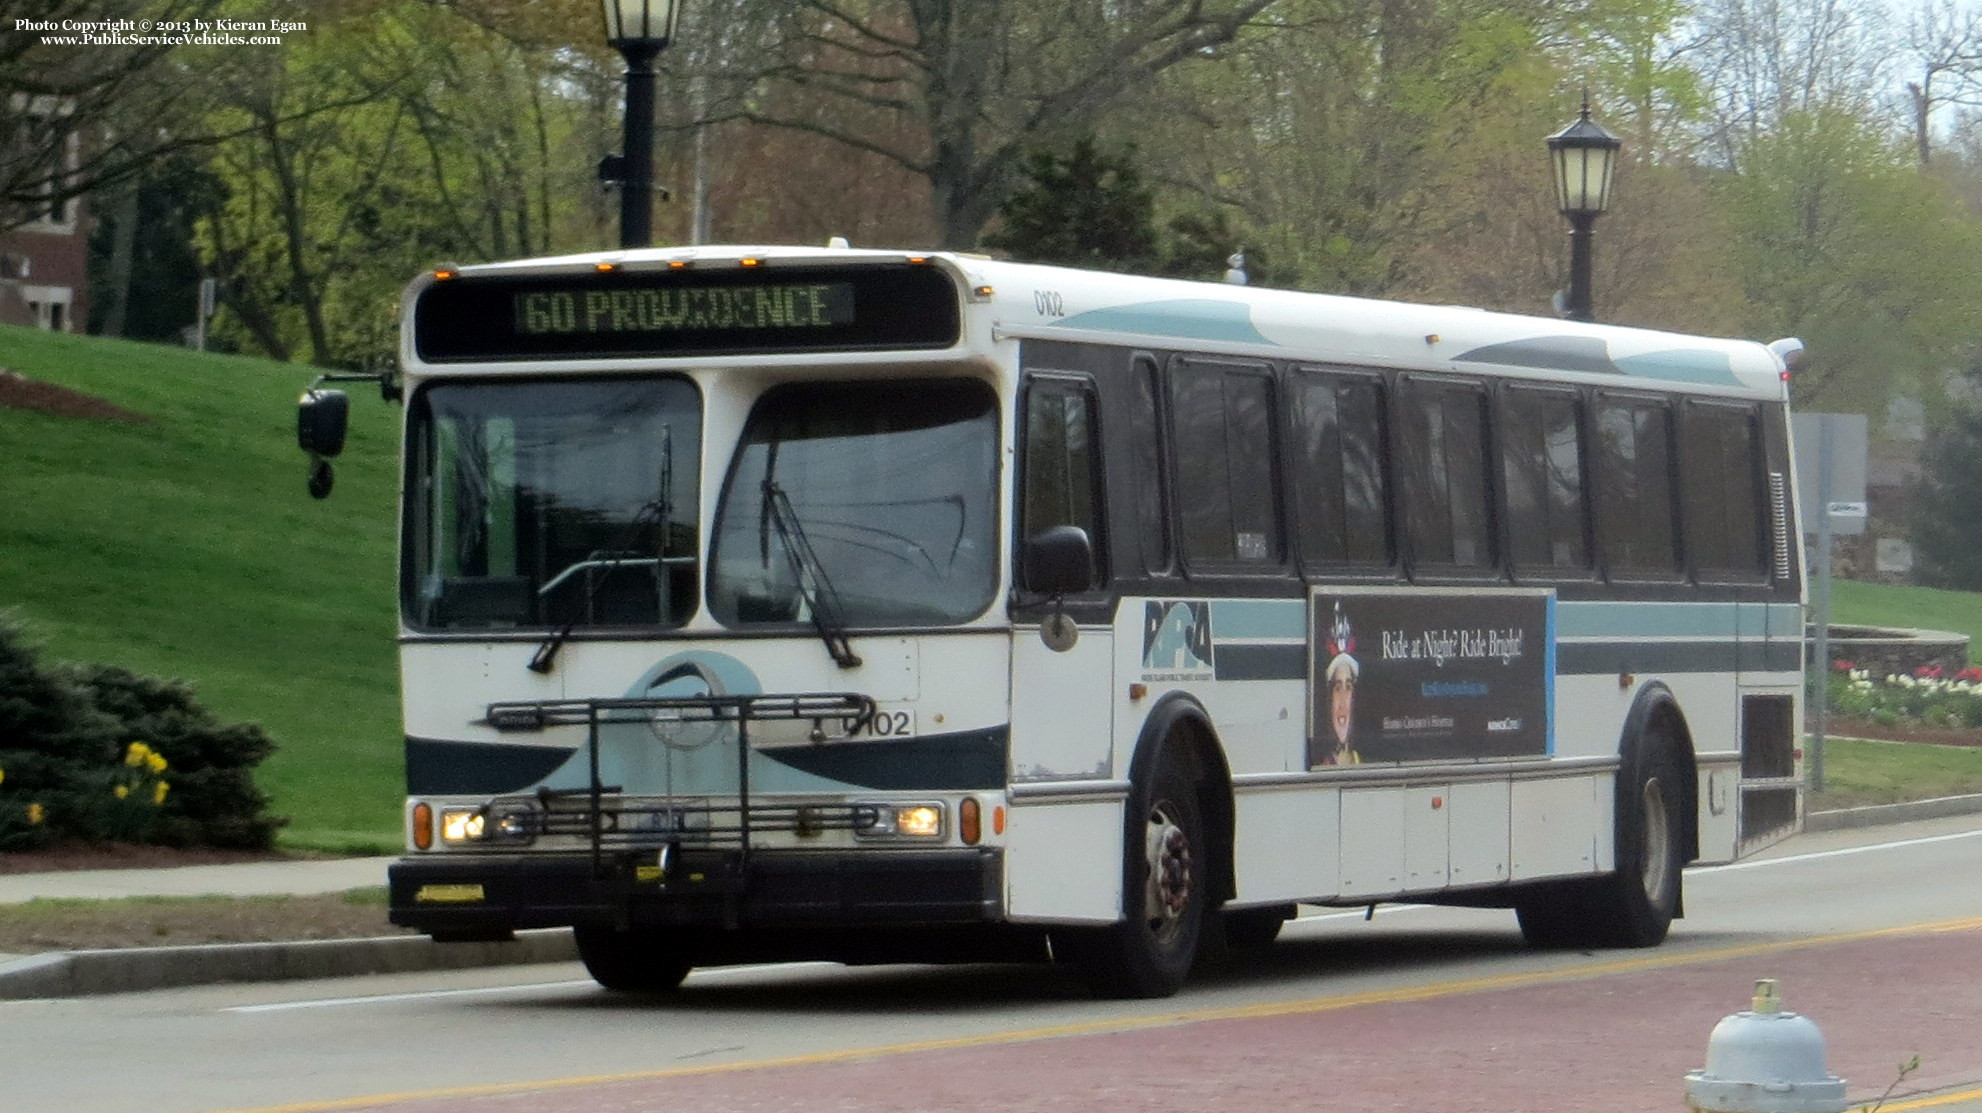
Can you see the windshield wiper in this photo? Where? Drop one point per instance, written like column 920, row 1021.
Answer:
column 820, row 598
column 599, row 566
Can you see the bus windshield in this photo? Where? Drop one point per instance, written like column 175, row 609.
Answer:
column 887, row 495
column 552, row 503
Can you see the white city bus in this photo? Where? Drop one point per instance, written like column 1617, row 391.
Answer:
column 767, row 603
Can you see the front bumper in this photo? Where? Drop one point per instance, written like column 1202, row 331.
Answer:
column 488, row 895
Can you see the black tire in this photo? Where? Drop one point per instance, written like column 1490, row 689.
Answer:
column 1249, row 929
column 1635, row 906
column 632, row 961
column 1150, row 952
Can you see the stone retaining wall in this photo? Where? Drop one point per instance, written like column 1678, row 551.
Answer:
column 1884, row 650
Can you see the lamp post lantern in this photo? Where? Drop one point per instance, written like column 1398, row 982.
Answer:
column 1584, row 155
column 639, row 30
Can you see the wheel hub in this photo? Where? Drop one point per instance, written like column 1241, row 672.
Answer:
column 1168, row 892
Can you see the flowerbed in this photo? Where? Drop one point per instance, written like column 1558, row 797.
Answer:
column 1929, row 697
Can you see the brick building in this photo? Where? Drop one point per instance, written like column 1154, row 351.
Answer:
column 44, row 263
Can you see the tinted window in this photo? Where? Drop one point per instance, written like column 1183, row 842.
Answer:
column 1339, row 484
column 532, row 504
column 1446, row 476
column 1724, row 522
column 1060, row 476
column 882, row 494
column 1153, row 527
column 1634, row 485
column 1542, row 467
column 1227, row 499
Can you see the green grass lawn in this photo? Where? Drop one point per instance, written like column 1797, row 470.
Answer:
column 1920, row 608
column 188, row 548
column 1859, row 772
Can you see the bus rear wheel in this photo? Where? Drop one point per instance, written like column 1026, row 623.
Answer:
column 632, row 961
column 1150, row 952
column 1635, row 906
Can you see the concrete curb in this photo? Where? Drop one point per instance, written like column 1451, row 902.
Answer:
column 1879, row 814
column 130, row 969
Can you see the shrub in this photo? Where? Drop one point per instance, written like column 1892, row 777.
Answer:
column 101, row 754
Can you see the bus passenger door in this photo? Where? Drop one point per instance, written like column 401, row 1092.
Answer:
column 1063, row 849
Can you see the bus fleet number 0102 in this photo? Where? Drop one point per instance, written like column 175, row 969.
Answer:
column 884, row 724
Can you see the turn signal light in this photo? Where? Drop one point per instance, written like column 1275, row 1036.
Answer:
column 423, row 826
column 970, row 821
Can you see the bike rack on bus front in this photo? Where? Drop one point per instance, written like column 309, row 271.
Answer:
column 625, row 826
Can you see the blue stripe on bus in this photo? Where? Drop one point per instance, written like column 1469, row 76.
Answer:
column 1187, row 318
column 1657, row 620
column 1258, row 619
column 1677, row 655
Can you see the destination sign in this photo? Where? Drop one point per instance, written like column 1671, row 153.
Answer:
column 601, row 315
column 780, row 306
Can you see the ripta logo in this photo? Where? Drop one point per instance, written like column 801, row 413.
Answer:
column 1176, row 640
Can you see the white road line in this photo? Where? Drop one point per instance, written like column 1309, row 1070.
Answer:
column 1842, row 852
column 711, row 974
column 382, row 998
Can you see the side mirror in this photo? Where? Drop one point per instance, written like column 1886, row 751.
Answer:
column 1057, row 561
column 321, row 419
column 322, row 416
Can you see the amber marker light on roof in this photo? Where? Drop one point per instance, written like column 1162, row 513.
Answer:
column 748, row 261
column 677, row 264
column 445, row 273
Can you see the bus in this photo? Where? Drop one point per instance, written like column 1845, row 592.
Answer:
column 763, row 604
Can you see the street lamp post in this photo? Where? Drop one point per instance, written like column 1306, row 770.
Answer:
column 1584, row 155
column 639, row 30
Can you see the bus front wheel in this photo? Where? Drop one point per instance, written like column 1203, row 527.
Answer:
column 631, row 961
column 1150, row 951
column 1635, row 906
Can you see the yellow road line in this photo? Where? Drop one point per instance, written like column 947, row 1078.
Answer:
column 1931, row 1102
column 1296, row 1006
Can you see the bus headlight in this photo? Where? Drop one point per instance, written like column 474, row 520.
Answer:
column 459, row 825
column 487, row 824
column 900, row 821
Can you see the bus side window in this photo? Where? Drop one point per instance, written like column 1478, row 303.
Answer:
column 1446, row 476
column 1061, row 475
column 1542, row 468
column 1726, row 533
column 1341, row 491
column 1228, row 498
column 1635, row 524
column 1152, row 524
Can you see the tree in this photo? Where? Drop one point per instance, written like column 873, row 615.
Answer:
column 979, row 80
column 1947, row 505
column 384, row 145
column 1839, row 239
column 1085, row 208
column 75, row 118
